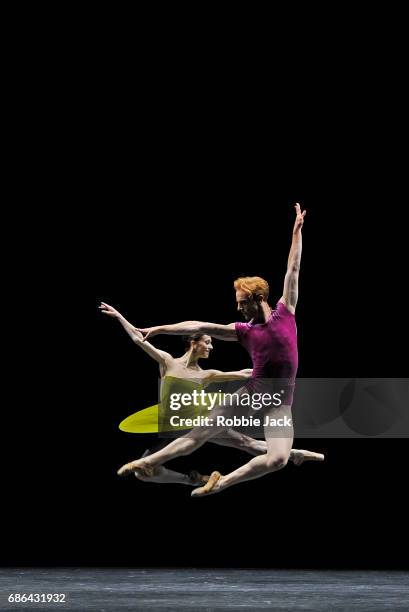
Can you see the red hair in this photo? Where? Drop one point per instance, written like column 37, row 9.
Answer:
column 252, row 285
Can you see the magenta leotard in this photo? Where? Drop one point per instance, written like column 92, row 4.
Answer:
column 273, row 348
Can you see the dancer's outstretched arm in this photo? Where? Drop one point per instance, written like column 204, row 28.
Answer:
column 187, row 328
column 290, row 291
column 162, row 357
column 213, row 376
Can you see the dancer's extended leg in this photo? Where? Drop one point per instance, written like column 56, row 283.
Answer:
column 163, row 475
column 184, row 445
column 279, row 442
column 235, row 439
column 177, row 448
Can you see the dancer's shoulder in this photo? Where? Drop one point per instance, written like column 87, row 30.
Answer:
column 283, row 307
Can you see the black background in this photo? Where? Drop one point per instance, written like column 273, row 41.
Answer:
column 158, row 221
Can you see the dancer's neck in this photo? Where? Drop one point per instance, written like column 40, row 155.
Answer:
column 190, row 361
column 263, row 314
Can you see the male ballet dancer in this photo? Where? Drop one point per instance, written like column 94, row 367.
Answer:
column 270, row 336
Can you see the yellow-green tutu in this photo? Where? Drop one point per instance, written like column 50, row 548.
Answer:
column 155, row 418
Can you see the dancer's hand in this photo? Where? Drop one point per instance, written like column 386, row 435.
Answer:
column 110, row 311
column 299, row 220
column 149, row 332
column 136, row 335
column 132, row 331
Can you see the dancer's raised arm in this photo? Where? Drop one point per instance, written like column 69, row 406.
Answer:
column 290, row 291
column 160, row 356
column 187, row 328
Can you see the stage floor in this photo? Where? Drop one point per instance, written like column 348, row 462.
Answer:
column 123, row 589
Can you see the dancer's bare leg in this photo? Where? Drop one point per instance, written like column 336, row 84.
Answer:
column 177, row 448
column 185, row 445
column 188, row 443
column 235, row 439
column 232, row 439
column 163, row 475
column 279, row 442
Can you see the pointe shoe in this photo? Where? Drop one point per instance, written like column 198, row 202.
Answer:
column 304, row 455
column 136, row 466
column 196, row 479
column 208, row 487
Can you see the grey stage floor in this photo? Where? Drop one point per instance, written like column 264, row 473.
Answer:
column 197, row 589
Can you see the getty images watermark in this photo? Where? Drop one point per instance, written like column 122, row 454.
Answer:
column 314, row 408
column 201, row 400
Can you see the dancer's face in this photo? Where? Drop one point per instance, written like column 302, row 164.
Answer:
column 246, row 305
column 203, row 346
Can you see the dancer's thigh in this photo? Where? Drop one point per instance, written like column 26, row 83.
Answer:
column 229, row 407
column 278, row 430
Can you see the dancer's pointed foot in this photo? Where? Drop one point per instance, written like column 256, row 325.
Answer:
column 139, row 465
column 210, row 487
column 156, row 470
column 299, row 456
column 196, row 479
